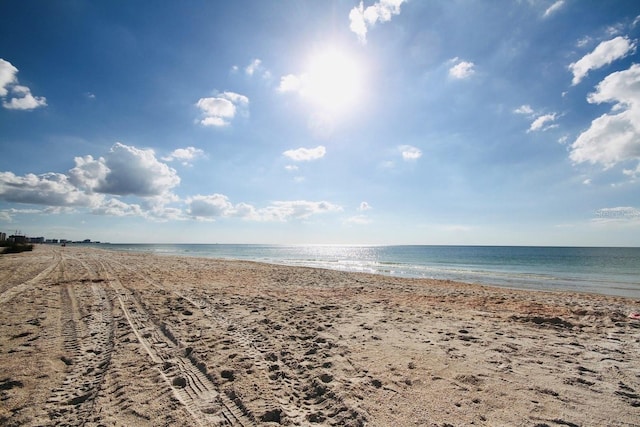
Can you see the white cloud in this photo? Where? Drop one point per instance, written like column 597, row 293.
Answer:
column 361, row 18
column 215, row 206
column 236, row 98
column 52, row 189
column 26, row 101
column 8, row 214
column 218, row 111
column 290, row 83
column 7, row 76
column 543, row 123
column 125, row 170
column 115, row 207
column 364, row 206
column 22, row 98
column 306, row 154
column 298, row 209
column 524, row 109
column 211, row 206
column 553, row 8
column 89, row 173
column 613, row 138
column 184, row 155
column 410, row 153
column 584, row 41
column 462, row 70
column 253, row 67
column 615, row 29
column 291, row 168
column 605, row 53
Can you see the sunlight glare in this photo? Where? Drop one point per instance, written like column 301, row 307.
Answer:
column 333, row 81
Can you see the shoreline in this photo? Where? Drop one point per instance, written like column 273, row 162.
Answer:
column 550, row 284
column 103, row 337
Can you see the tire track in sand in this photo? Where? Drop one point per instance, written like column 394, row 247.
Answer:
column 274, row 402
column 191, row 384
column 289, row 390
column 87, row 344
column 13, row 291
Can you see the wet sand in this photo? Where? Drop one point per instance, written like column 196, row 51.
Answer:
column 97, row 338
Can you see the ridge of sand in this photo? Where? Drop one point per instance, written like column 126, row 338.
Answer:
column 97, row 338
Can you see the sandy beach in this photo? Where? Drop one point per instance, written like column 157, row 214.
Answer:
column 98, row 338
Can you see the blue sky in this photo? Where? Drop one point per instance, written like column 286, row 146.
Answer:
column 374, row 122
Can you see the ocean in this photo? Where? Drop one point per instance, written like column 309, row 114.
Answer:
column 609, row 271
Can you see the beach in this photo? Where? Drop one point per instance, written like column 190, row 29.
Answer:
column 102, row 338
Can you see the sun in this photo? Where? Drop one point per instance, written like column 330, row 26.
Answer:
column 333, row 81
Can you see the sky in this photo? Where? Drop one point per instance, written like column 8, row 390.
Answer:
column 328, row 122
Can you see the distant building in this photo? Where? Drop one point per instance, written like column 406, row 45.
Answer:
column 35, row 239
column 17, row 238
column 3, row 236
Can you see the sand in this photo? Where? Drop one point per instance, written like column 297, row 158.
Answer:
column 98, row 338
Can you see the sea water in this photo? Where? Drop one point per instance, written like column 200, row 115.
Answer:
column 610, row 271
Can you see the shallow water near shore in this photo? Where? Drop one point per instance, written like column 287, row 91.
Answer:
column 608, row 271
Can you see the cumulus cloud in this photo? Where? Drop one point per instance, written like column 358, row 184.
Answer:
column 306, row 154
column 51, row 189
column 7, row 76
column 125, row 170
column 21, row 97
column 290, row 83
column 410, row 153
column 115, row 207
column 361, row 18
column 462, row 69
column 553, row 8
column 605, row 53
column 543, row 123
column 218, row 111
column 613, row 138
column 211, row 206
column 184, row 155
